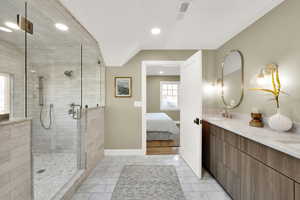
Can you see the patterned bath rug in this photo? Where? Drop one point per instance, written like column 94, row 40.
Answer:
column 148, row 182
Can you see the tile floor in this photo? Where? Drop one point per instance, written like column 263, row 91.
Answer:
column 100, row 184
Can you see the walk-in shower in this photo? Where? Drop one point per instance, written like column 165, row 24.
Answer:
column 58, row 77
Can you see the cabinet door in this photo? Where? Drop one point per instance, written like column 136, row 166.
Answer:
column 212, row 150
column 220, row 155
column 232, row 165
column 260, row 182
column 297, row 191
column 205, row 145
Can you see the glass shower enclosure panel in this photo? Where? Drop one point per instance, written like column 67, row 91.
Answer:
column 91, row 70
column 54, row 96
column 12, row 53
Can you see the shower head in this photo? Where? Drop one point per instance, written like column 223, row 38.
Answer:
column 68, row 73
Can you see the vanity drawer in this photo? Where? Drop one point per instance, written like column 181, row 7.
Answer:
column 226, row 136
column 214, row 130
column 217, row 131
column 284, row 163
column 231, row 138
column 253, row 149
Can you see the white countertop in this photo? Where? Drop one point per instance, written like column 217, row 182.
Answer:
column 286, row 142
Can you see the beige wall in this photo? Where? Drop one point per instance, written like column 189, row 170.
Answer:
column 273, row 38
column 122, row 119
column 153, row 95
column 209, row 74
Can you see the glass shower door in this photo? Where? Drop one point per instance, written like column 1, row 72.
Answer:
column 91, row 71
column 12, row 53
column 54, row 96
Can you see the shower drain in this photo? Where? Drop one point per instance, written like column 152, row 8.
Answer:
column 41, row 171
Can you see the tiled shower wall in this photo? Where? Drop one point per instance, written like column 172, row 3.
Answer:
column 61, row 91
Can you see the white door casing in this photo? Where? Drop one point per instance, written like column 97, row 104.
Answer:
column 190, row 110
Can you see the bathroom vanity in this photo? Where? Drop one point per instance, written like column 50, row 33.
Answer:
column 252, row 163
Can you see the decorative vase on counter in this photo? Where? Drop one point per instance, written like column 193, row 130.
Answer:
column 280, row 122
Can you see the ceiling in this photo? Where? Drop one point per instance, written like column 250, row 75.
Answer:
column 122, row 28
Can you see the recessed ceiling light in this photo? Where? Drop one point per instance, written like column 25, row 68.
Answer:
column 12, row 25
column 5, row 29
column 155, row 31
column 161, row 72
column 61, row 27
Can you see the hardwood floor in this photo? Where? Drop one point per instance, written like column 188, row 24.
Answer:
column 160, row 147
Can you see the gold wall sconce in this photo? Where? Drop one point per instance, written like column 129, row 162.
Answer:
column 265, row 73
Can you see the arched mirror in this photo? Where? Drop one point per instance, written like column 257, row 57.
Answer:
column 233, row 79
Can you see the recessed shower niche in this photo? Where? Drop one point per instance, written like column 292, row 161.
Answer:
column 54, row 74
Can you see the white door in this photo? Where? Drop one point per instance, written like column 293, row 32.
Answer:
column 191, row 112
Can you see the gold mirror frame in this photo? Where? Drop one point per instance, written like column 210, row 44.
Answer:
column 242, row 84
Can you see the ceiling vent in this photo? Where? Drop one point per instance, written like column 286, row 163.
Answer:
column 183, row 8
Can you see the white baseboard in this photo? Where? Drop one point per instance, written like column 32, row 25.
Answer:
column 124, row 152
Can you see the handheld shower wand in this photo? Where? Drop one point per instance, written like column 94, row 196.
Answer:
column 41, row 103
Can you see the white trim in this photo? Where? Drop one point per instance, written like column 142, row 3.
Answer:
column 146, row 64
column 144, row 105
column 124, row 152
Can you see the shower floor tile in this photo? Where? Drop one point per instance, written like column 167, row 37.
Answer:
column 51, row 172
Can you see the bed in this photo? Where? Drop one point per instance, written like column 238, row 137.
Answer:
column 161, row 127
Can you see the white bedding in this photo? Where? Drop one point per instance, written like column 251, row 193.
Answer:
column 161, row 122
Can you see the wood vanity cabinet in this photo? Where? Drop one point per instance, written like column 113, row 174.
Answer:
column 224, row 161
column 248, row 170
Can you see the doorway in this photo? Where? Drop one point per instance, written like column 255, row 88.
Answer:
column 161, row 111
column 190, row 104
